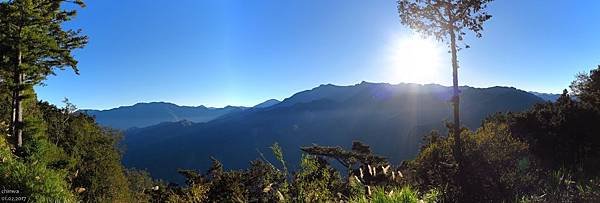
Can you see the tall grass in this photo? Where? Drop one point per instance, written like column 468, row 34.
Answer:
column 400, row 195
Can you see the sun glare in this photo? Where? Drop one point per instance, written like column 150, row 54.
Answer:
column 414, row 59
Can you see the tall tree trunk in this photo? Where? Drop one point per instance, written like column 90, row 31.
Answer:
column 17, row 90
column 457, row 149
column 456, row 91
column 17, row 115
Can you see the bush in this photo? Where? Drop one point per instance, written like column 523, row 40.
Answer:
column 33, row 180
column 140, row 184
column 316, row 180
column 499, row 167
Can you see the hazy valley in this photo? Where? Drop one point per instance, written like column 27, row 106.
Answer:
column 391, row 118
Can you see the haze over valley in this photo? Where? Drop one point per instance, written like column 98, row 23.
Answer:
column 391, row 118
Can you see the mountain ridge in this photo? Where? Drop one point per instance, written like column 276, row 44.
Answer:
column 391, row 118
column 267, row 104
column 211, row 113
column 151, row 113
column 546, row 96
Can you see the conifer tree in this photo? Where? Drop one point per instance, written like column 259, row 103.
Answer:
column 33, row 44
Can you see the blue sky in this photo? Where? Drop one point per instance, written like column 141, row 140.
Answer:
column 221, row 52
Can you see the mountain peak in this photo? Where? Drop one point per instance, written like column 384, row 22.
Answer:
column 267, row 103
column 369, row 83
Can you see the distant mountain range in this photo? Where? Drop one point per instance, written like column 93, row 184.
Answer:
column 147, row 114
column 546, row 96
column 390, row 118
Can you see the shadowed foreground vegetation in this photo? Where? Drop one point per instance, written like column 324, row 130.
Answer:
column 546, row 154
column 549, row 153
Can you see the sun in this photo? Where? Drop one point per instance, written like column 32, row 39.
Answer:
column 414, row 59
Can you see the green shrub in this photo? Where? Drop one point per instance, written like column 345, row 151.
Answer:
column 396, row 195
column 140, row 183
column 32, row 179
column 499, row 166
column 315, row 181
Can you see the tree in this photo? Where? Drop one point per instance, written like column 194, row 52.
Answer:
column 587, row 87
column 499, row 165
column 315, row 181
column 140, row 184
column 563, row 134
column 446, row 20
column 33, row 44
column 92, row 157
column 360, row 153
